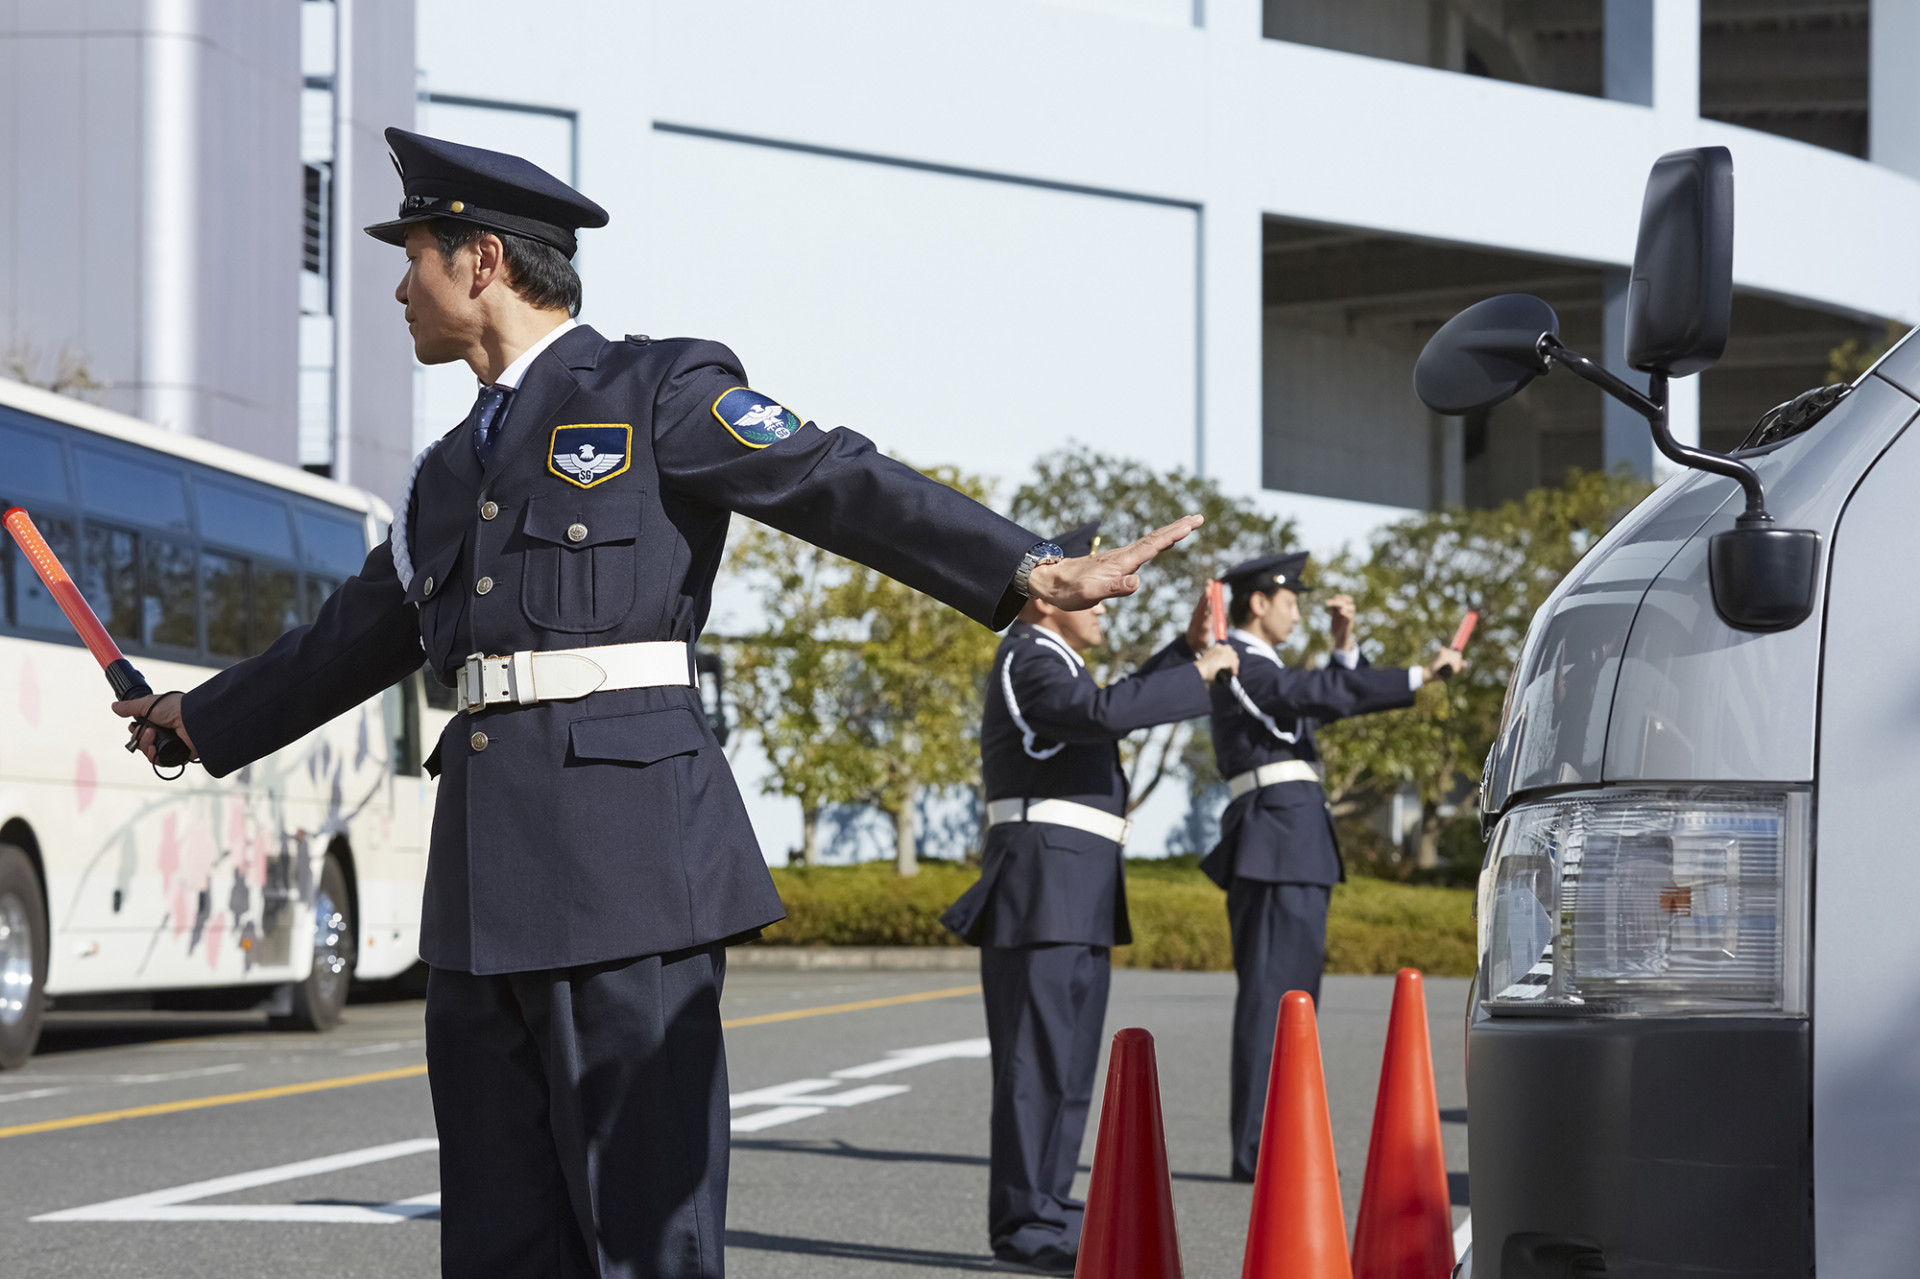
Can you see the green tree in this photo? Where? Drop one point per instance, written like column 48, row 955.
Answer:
column 1851, row 358
column 1076, row 484
column 1421, row 576
column 862, row 691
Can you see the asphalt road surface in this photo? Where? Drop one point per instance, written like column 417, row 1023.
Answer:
column 284, row 1156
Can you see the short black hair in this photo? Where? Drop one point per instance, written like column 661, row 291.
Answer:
column 538, row 273
column 1241, row 609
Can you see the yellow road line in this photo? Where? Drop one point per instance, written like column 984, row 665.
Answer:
column 412, row 1072
column 797, row 1013
column 201, row 1103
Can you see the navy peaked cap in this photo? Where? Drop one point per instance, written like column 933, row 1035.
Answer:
column 1079, row 541
column 1266, row 572
column 501, row 192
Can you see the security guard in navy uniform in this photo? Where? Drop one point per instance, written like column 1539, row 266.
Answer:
column 1277, row 856
column 1051, row 899
column 553, row 560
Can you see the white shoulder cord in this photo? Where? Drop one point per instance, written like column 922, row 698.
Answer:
column 402, row 556
column 1233, row 682
column 1027, row 735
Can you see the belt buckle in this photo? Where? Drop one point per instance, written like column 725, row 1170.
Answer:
column 472, row 691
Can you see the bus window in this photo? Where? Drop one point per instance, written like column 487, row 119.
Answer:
column 167, row 594
column 235, row 517
column 318, row 588
column 334, row 544
column 28, row 603
column 35, row 469
column 223, row 580
column 110, row 579
column 129, row 489
column 276, row 604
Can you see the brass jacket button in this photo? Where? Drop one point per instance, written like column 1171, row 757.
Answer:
column 489, row 509
column 478, row 741
column 482, row 586
column 427, row 587
column 576, row 532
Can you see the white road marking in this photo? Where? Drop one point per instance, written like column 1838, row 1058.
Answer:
column 176, row 1204
column 31, row 1094
column 802, row 1098
column 168, row 1076
column 367, row 1050
column 1463, row 1236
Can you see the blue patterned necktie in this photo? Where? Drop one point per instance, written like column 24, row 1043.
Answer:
column 487, row 412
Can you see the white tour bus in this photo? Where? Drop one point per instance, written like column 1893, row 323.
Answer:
column 278, row 885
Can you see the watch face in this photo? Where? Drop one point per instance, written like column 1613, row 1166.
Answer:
column 1048, row 550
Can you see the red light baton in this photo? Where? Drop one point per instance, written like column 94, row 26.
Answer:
column 1217, row 610
column 169, row 750
column 1465, row 633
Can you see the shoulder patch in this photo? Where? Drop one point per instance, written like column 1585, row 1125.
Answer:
column 586, row 453
column 753, row 419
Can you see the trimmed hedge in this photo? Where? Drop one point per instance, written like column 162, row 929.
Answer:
column 1179, row 917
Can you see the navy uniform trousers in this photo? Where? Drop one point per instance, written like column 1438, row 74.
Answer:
column 590, row 857
column 1277, row 857
column 1049, row 906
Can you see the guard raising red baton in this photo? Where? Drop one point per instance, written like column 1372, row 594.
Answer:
column 169, row 750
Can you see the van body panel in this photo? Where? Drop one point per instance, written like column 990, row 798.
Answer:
column 1697, row 700
column 1556, row 728
column 1866, row 971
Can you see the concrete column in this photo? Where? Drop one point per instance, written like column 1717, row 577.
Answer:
column 1229, row 441
column 1683, row 419
column 1676, row 56
column 172, row 180
column 1893, row 105
column 1627, row 51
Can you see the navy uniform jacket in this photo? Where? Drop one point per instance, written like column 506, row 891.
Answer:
column 1051, row 732
column 1283, row 834
column 609, row 826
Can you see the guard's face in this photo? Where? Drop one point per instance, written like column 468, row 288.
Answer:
column 442, row 314
column 1081, row 629
column 1282, row 615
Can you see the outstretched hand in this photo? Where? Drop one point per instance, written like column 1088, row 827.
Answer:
column 162, row 709
column 1086, row 580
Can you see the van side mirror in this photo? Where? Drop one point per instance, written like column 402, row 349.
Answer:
column 1679, row 309
column 1680, row 300
column 1485, row 354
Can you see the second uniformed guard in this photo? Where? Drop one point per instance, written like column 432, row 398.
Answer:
column 553, row 560
column 1277, row 856
column 1051, row 900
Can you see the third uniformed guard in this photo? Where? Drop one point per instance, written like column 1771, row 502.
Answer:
column 1051, row 900
column 1277, row 856
column 553, row 560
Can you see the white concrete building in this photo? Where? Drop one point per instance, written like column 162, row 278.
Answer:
column 1205, row 233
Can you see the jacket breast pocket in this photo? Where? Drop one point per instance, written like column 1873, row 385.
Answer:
column 582, row 560
column 644, row 738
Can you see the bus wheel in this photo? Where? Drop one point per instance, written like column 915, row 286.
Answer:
column 319, row 1000
column 23, row 958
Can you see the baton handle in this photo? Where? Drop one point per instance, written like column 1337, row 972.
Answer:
column 127, row 681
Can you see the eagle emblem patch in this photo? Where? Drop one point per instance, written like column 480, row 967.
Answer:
column 585, row 455
column 753, row 419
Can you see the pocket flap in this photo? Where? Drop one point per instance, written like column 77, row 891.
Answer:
column 583, row 523
column 430, row 572
column 638, row 739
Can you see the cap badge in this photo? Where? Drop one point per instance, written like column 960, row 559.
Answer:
column 587, row 454
column 753, row 419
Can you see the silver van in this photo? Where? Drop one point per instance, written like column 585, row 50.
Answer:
column 1694, row 1045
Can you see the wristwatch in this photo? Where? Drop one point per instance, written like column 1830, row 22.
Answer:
column 1042, row 553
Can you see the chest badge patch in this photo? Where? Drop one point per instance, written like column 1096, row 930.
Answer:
column 753, row 419
column 586, row 454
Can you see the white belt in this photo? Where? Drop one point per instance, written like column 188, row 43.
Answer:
column 1286, row 770
column 561, row 675
column 1059, row 812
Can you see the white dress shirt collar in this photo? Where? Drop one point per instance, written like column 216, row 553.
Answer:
column 1051, row 636
column 510, row 379
column 1257, row 644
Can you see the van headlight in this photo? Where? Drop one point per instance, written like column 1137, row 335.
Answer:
column 1649, row 903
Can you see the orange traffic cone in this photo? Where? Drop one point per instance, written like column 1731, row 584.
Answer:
column 1297, row 1230
column 1406, row 1226
column 1128, row 1232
